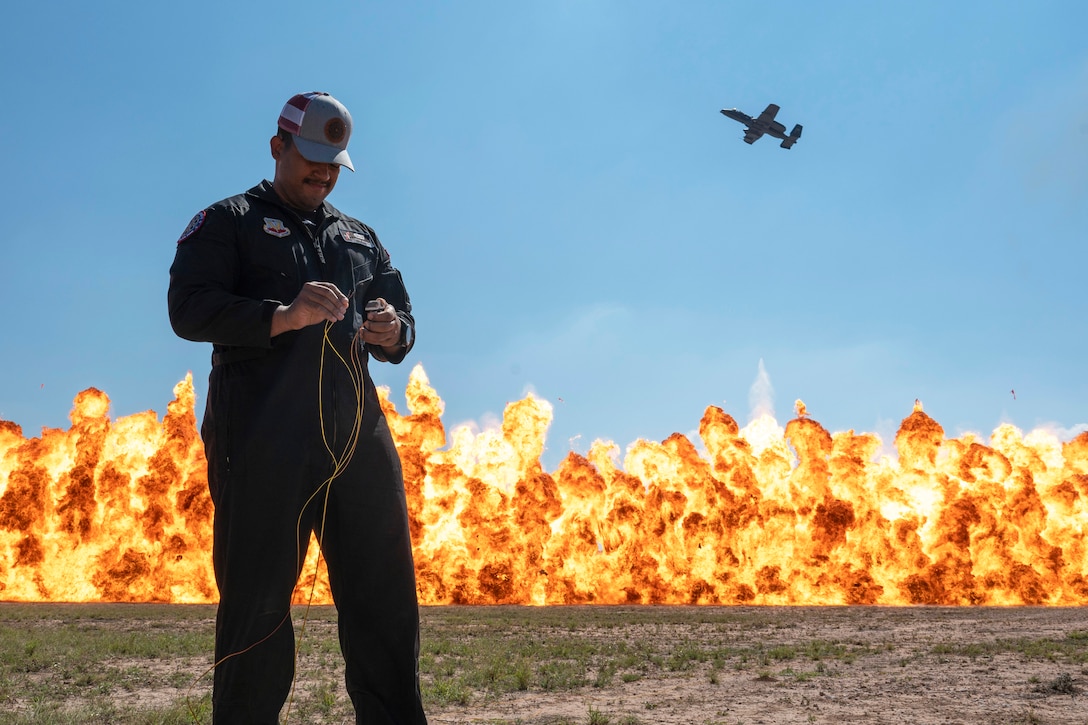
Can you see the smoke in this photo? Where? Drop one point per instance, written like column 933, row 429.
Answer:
column 761, row 395
column 1062, row 433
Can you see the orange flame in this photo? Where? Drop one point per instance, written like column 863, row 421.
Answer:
column 760, row 514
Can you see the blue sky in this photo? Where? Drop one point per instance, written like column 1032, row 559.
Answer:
column 572, row 214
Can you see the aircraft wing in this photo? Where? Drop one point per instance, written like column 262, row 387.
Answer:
column 751, row 136
column 768, row 114
column 736, row 115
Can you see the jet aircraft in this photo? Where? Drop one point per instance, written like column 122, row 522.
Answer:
column 764, row 124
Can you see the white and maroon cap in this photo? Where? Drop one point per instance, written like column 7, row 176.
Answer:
column 321, row 127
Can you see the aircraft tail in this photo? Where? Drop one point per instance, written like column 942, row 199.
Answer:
column 792, row 139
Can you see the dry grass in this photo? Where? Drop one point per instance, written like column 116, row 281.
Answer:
column 129, row 664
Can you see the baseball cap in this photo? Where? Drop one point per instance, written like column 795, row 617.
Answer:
column 321, row 127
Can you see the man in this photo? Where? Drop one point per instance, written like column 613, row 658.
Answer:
column 279, row 282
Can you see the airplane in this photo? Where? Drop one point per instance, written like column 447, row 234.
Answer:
column 764, row 124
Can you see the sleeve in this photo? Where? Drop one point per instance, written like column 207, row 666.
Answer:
column 389, row 285
column 202, row 303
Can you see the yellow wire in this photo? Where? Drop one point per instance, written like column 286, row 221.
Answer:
column 355, row 372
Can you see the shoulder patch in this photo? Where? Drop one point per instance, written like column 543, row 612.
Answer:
column 194, row 225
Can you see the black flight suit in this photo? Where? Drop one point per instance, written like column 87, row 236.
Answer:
column 280, row 413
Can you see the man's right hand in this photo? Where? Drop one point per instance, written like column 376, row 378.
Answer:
column 317, row 302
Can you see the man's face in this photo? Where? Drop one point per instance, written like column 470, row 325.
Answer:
column 302, row 184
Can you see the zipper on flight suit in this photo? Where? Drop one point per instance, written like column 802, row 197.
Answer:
column 315, row 233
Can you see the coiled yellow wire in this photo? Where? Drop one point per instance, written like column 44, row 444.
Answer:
column 354, row 367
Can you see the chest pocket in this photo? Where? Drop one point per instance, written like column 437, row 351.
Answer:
column 362, row 255
column 274, row 269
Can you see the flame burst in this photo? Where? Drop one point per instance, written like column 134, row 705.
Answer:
column 761, row 514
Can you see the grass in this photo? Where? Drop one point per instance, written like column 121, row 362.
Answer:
column 149, row 664
column 74, row 664
column 1073, row 648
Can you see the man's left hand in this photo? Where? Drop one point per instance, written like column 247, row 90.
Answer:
column 382, row 328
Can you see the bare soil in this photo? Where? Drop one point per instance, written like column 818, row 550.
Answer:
column 922, row 666
column 829, row 665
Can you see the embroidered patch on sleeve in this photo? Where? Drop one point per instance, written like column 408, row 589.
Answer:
column 196, row 223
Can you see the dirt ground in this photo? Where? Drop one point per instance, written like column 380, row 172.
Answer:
column 921, row 666
column 827, row 665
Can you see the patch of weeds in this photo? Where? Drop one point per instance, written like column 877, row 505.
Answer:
column 180, row 679
column 523, row 675
column 324, row 697
column 630, row 677
column 95, row 680
column 973, row 650
column 782, row 652
column 764, row 676
column 684, row 657
column 492, row 673
column 715, row 670
column 1060, row 685
column 605, row 674
column 798, row 675
column 427, row 661
column 447, row 692
column 1072, row 648
column 819, row 649
column 561, row 675
column 190, row 710
column 596, row 717
column 179, row 713
column 438, row 646
column 95, row 710
column 628, row 658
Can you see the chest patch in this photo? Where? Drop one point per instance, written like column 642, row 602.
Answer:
column 357, row 237
column 275, row 227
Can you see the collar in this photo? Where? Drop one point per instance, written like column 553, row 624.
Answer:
column 265, row 192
